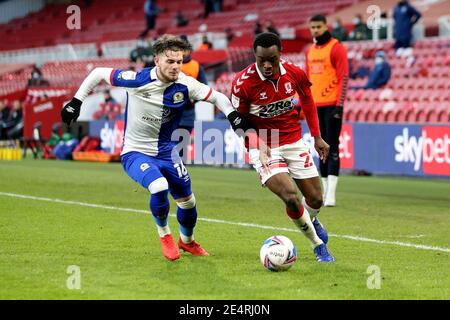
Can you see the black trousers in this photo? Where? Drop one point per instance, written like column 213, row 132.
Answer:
column 151, row 21
column 402, row 43
column 330, row 121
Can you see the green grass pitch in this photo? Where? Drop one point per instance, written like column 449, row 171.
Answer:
column 399, row 225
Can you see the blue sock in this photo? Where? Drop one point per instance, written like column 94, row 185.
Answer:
column 159, row 206
column 187, row 218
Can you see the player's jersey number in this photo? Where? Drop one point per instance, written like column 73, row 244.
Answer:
column 308, row 162
column 181, row 169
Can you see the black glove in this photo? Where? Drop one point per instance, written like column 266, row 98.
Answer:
column 238, row 122
column 71, row 111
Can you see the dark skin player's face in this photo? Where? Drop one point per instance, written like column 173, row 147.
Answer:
column 268, row 60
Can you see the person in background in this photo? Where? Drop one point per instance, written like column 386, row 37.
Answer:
column 339, row 32
column 151, row 11
column 13, row 126
column 381, row 72
column 357, row 69
column 405, row 16
column 360, row 30
column 229, row 34
column 109, row 109
column 4, row 116
column 327, row 69
column 258, row 28
column 211, row 6
column 269, row 26
column 206, row 44
column 190, row 67
column 382, row 33
column 181, row 19
column 36, row 78
column 143, row 53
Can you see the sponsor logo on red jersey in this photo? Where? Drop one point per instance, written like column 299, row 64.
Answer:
column 272, row 109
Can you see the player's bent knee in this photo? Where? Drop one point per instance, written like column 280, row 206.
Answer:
column 292, row 201
column 315, row 201
column 188, row 204
column 158, row 185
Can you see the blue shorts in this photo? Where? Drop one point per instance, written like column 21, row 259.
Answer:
column 145, row 169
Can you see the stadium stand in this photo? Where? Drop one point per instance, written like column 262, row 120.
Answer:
column 418, row 91
column 126, row 21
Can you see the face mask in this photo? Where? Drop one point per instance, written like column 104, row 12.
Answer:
column 379, row 60
column 335, row 25
column 356, row 21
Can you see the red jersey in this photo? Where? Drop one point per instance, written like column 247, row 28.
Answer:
column 269, row 104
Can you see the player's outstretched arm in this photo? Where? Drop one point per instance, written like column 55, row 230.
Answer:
column 71, row 111
column 238, row 123
column 242, row 127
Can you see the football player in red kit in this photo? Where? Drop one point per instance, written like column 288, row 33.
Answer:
column 263, row 95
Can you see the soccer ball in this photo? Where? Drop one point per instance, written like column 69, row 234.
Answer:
column 278, row 253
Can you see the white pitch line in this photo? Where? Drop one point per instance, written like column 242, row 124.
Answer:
column 242, row 224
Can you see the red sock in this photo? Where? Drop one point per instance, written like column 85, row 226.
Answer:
column 295, row 214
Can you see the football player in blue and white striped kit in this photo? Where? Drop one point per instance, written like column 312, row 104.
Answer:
column 156, row 98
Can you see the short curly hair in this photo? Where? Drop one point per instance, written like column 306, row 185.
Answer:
column 266, row 40
column 170, row 42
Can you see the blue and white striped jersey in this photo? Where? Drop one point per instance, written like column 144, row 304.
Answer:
column 154, row 108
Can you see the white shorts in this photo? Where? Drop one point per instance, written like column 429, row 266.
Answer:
column 293, row 158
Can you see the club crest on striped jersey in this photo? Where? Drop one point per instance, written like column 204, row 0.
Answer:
column 178, row 97
column 288, row 87
column 235, row 101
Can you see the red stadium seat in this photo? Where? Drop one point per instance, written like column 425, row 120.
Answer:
column 394, row 112
column 380, row 116
column 431, row 115
column 350, row 110
column 350, row 115
column 370, row 116
column 443, row 116
column 372, row 112
column 410, row 116
column 390, row 116
column 400, row 96
column 360, row 115
column 400, row 115
column 127, row 20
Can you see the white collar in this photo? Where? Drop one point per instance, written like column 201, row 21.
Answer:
column 153, row 75
column 282, row 71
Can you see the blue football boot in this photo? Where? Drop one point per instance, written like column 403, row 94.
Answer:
column 322, row 254
column 320, row 230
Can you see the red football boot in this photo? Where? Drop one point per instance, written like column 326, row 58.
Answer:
column 193, row 248
column 169, row 248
